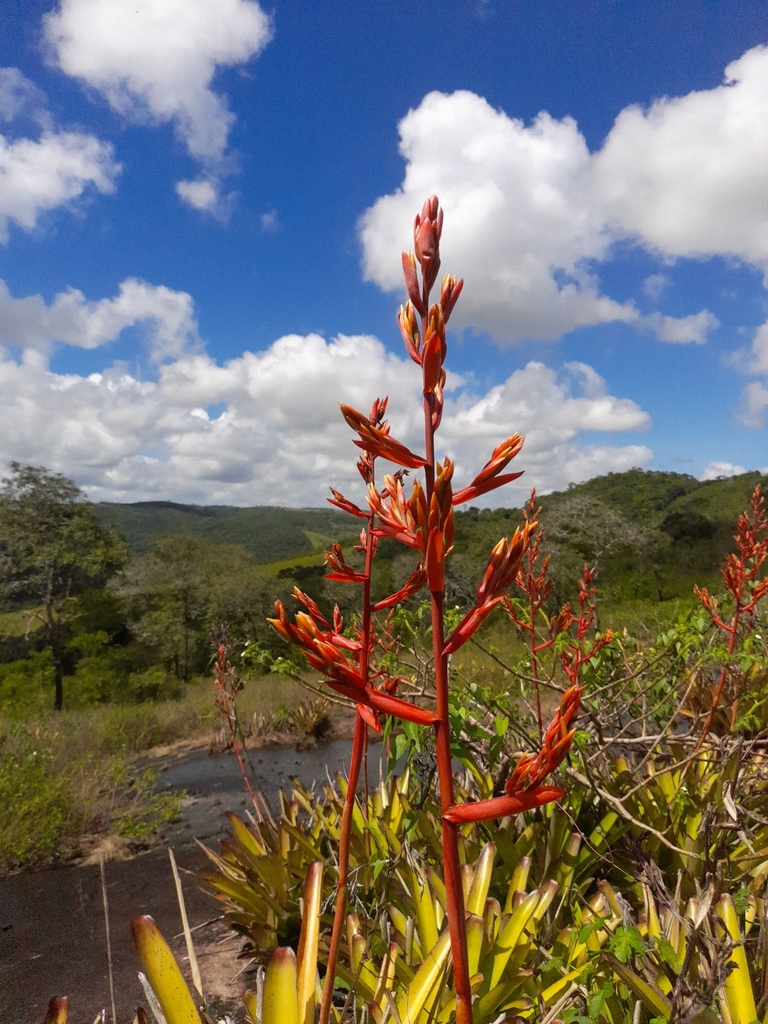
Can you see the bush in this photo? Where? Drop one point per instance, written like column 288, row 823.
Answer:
column 52, row 806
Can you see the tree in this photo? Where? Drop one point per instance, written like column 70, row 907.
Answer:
column 184, row 587
column 52, row 547
column 581, row 530
column 167, row 592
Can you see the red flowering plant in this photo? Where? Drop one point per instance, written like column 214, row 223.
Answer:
column 421, row 518
column 740, row 575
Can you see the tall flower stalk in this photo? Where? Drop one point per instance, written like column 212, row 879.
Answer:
column 422, row 520
column 740, row 576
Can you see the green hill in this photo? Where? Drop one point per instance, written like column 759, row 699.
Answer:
column 685, row 528
column 671, row 531
column 269, row 534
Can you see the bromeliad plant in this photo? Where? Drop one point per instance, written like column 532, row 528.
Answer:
column 421, row 520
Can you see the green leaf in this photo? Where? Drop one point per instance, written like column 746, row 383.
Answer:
column 741, row 901
column 625, row 942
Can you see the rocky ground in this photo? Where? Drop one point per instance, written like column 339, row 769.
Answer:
column 52, row 925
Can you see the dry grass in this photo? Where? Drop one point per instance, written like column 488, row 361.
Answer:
column 68, row 780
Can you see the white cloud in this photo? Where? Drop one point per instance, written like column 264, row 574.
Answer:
column 753, row 407
column 280, row 438
column 715, row 470
column 72, row 320
column 202, row 193
column 269, row 222
column 58, row 168
column 759, row 363
column 551, row 412
column 20, row 96
column 755, row 395
column 155, row 60
column 682, row 330
column 532, row 213
column 687, row 176
column 521, row 224
column 655, row 285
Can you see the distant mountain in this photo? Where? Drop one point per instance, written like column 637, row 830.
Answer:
column 694, row 520
column 268, row 533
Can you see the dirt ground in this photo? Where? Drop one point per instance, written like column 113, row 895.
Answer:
column 52, row 926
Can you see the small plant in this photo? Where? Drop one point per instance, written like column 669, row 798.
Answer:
column 228, row 685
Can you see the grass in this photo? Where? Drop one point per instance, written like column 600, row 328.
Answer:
column 67, row 779
column 19, row 623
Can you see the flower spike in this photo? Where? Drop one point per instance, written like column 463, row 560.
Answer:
column 524, row 790
column 489, row 478
column 376, row 440
column 503, row 567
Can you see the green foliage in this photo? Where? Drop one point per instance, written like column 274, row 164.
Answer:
column 50, row 802
column 33, row 805
column 268, row 533
column 183, row 587
column 625, row 942
column 51, row 548
column 26, row 686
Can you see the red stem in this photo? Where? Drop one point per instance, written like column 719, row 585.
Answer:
column 534, row 659
column 733, row 629
column 359, row 751
column 454, row 892
column 341, row 887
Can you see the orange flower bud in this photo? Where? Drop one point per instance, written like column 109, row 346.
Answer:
column 376, row 440
column 449, row 295
column 412, row 282
column 409, row 329
column 431, row 362
column 345, row 505
column 502, row 806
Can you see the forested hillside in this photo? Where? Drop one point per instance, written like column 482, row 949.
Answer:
column 652, row 534
column 267, row 533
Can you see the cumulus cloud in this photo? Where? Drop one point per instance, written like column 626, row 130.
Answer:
column 521, row 225
column 755, row 399
column 155, row 60
column 687, row 176
column 19, row 96
column 759, row 360
column 753, row 361
column 551, row 411
column 202, row 194
column 533, row 213
column 655, row 285
column 682, row 330
column 716, row 470
column 55, row 169
column 71, row 319
column 280, row 438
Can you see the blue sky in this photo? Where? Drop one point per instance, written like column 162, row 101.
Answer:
column 203, row 204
